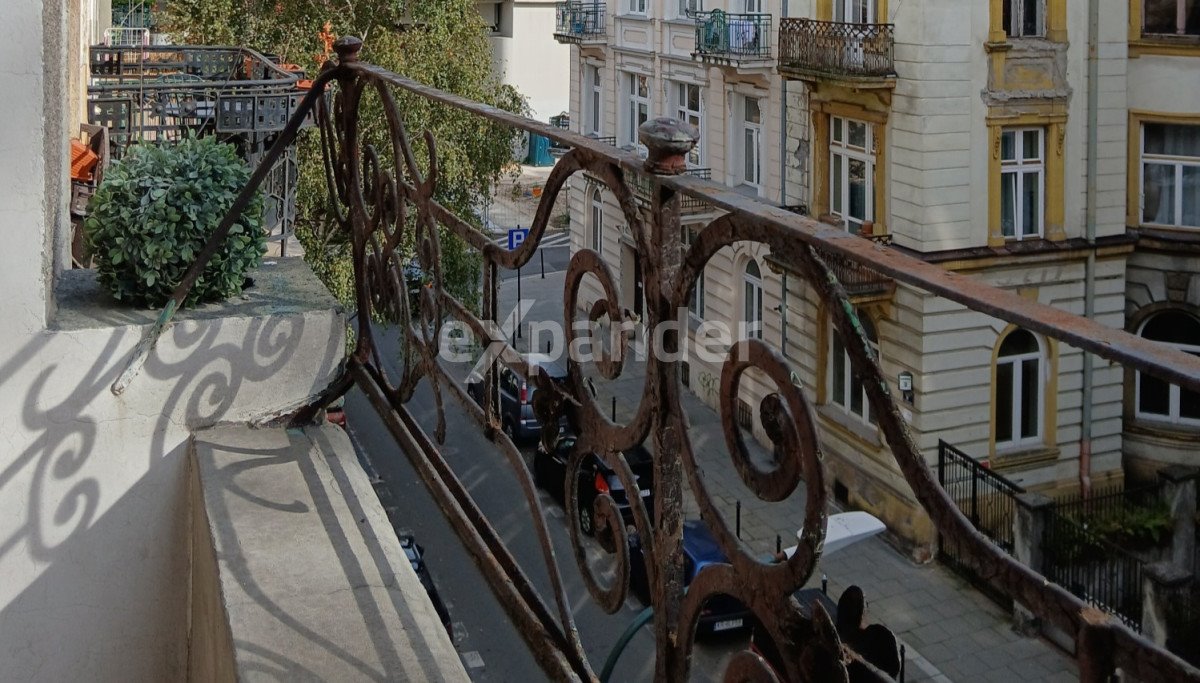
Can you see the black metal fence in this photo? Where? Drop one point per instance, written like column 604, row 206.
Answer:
column 1093, row 568
column 987, row 499
column 733, row 36
column 579, row 21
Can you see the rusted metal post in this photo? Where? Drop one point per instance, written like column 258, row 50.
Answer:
column 667, row 141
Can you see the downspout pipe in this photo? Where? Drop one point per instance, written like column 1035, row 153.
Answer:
column 1089, row 273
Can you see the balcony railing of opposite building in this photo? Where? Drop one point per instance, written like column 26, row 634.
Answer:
column 382, row 197
column 722, row 35
column 577, row 22
column 643, row 190
column 836, row 48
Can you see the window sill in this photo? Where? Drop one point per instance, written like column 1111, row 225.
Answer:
column 635, row 16
column 1170, row 46
column 1164, row 429
column 1017, row 458
column 844, row 423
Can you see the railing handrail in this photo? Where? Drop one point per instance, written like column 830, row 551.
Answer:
column 792, row 23
column 1102, row 644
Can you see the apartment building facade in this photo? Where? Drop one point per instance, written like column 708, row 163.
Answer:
column 956, row 131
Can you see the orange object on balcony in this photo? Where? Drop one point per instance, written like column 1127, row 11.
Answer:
column 83, row 162
column 304, row 84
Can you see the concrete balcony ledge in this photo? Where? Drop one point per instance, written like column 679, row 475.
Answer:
column 296, row 572
column 247, row 359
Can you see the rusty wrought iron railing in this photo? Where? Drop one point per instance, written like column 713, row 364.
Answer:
column 580, row 21
column 378, row 205
column 836, row 48
column 856, row 278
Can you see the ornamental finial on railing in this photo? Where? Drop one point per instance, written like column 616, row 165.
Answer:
column 667, row 140
column 347, row 49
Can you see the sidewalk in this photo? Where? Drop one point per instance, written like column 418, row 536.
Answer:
column 950, row 630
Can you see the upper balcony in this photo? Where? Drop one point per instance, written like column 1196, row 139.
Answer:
column 862, row 54
column 643, row 190
column 580, row 23
column 733, row 39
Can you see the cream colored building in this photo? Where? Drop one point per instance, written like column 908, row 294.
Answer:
column 959, row 132
column 525, row 54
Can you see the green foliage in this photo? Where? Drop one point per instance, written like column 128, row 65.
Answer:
column 155, row 210
column 441, row 43
column 1133, row 527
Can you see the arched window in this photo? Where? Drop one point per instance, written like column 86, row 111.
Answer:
column 845, row 389
column 1156, row 399
column 752, row 300
column 1019, row 389
column 597, row 222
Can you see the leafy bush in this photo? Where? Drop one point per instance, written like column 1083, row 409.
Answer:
column 155, row 210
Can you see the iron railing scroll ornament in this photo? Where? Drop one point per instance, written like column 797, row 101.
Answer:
column 382, row 198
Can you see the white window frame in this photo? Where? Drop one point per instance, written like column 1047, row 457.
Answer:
column 1177, row 163
column 687, row 8
column 1014, row 29
column 637, row 6
column 1173, row 415
column 839, row 192
column 1016, row 409
column 752, row 130
column 680, row 93
column 632, row 102
column 855, row 11
column 1020, row 168
column 752, row 6
column 752, row 300
column 837, row 351
column 593, row 100
column 597, row 219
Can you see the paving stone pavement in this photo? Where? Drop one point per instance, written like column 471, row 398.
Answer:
column 951, row 632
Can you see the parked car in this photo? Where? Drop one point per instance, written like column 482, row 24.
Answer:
column 516, row 396
column 595, row 477
column 721, row 613
column 416, row 557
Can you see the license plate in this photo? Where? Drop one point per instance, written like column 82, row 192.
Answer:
column 727, row 624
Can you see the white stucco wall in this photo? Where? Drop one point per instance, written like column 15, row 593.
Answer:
column 93, row 550
column 528, row 58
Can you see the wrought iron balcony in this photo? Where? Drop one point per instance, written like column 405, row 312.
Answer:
column 161, row 93
column 643, row 191
column 372, row 194
column 725, row 38
column 580, row 23
column 810, row 50
column 857, row 279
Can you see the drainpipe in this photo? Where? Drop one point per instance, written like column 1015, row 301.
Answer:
column 1089, row 273
column 783, row 121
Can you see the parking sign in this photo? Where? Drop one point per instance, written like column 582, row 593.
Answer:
column 516, row 237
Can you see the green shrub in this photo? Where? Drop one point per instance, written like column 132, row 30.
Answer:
column 155, row 210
